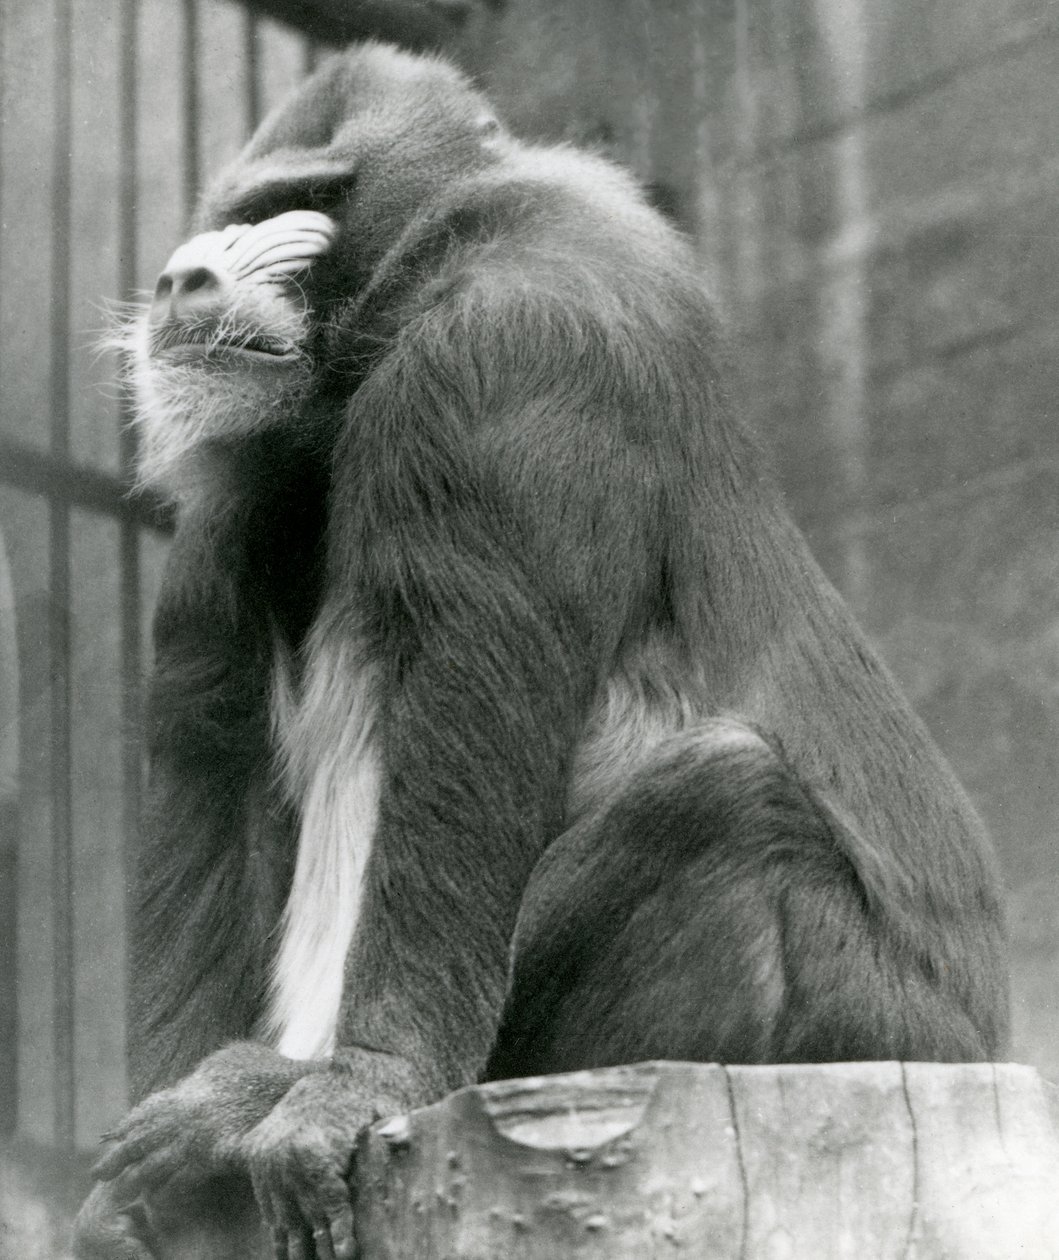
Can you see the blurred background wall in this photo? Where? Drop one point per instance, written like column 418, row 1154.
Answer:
column 872, row 189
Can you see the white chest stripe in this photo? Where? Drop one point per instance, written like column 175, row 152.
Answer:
column 332, row 767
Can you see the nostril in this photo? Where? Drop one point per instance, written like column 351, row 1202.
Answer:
column 198, row 278
column 188, row 293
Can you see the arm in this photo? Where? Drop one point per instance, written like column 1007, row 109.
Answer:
column 494, row 547
column 468, row 551
column 487, row 552
column 208, row 888
column 214, row 862
column 196, row 974
column 500, row 545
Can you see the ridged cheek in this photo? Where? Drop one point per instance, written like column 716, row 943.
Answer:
column 254, row 253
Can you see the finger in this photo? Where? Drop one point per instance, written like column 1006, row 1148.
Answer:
column 300, row 1240
column 343, row 1244
column 322, row 1240
column 111, row 1162
column 300, row 1244
column 140, row 1140
column 289, row 1232
column 277, row 1230
column 149, row 1174
column 325, row 1205
column 126, row 1189
column 279, row 1243
column 320, row 1224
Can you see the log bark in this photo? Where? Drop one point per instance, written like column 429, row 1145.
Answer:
column 839, row 1161
column 835, row 1162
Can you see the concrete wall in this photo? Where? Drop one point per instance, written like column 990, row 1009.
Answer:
column 873, row 188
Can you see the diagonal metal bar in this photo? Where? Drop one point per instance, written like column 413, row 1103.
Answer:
column 35, row 471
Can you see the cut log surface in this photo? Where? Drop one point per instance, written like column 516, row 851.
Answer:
column 858, row 1161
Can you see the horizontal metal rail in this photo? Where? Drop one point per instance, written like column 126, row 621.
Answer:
column 416, row 24
column 28, row 468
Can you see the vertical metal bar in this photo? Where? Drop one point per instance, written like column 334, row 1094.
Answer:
column 9, row 764
column 252, row 58
column 129, row 538
column 59, row 574
column 192, row 148
column 8, row 823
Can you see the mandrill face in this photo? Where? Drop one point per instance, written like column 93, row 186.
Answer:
column 222, row 349
column 293, row 233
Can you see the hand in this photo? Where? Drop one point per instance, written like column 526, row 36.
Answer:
column 182, row 1137
column 301, row 1155
column 104, row 1231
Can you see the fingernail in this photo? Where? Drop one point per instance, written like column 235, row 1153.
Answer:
column 397, row 1131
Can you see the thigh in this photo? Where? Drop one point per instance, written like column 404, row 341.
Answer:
column 647, row 930
column 720, row 910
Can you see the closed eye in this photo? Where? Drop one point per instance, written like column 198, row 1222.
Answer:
column 324, row 193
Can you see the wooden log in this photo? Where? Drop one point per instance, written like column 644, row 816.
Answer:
column 835, row 1162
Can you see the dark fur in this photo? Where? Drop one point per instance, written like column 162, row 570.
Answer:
column 517, row 478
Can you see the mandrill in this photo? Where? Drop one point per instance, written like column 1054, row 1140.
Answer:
column 501, row 721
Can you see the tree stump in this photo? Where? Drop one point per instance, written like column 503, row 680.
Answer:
column 850, row 1161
